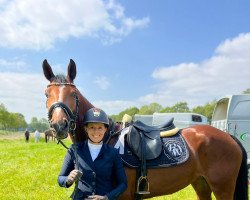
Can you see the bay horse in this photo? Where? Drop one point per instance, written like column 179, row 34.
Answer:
column 49, row 134
column 217, row 161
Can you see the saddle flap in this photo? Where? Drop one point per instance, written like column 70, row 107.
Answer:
column 153, row 144
column 151, row 135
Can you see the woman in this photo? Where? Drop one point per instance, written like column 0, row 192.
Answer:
column 101, row 173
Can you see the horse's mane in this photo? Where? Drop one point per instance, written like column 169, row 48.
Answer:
column 60, row 78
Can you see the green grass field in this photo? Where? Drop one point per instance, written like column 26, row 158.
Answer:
column 29, row 171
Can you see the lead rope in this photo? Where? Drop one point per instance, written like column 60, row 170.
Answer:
column 73, row 128
column 74, row 147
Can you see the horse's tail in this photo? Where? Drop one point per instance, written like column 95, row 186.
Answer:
column 241, row 189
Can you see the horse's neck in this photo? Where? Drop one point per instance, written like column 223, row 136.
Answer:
column 84, row 105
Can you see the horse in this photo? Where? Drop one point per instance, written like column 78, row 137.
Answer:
column 60, row 115
column 49, row 134
column 217, row 161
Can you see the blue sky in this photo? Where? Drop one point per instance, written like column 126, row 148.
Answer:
column 128, row 53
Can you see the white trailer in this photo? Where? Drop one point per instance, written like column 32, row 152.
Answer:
column 181, row 120
column 232, row 114
column 146, row 119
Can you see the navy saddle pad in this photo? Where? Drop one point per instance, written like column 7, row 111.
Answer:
column 174, row 152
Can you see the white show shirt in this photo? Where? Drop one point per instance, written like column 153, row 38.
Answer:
column 94, row 149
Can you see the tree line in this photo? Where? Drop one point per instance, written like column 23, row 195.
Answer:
column 179, row 107
column 16, row 122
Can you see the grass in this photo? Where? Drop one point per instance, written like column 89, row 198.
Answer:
column 28, row 171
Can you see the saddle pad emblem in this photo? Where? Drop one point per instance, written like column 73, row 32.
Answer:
column 174, row 148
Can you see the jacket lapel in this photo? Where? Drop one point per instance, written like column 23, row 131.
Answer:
column 102, row 150
column 86, row 155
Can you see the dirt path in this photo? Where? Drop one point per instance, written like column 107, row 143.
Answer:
column 15, row 135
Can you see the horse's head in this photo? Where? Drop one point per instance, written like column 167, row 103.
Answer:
column 62, row 100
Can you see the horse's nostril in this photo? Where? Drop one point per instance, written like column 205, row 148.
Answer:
column 65, row 124
column 55, row 126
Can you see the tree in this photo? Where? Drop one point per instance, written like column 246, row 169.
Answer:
column 18, row 121
column 4, row 115
column 178, row 107
column 34, row 124
column 206, row 110
column 44, row 124
column 11, row 121
column 130, row 111
column 150, row 109
column 247, row 91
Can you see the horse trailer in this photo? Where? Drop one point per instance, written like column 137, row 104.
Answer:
column 232, row 114
column 146, row 119
column 181, row 120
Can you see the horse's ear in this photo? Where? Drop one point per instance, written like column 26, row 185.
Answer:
column 48, row 73
column 71, row 70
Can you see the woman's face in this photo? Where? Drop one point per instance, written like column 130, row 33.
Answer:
column 96, row 132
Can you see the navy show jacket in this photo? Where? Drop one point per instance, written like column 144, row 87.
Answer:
column 103, row 176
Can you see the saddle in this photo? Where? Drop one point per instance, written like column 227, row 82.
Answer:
column 145, row 142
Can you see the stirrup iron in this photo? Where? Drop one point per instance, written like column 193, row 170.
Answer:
column 139, row 182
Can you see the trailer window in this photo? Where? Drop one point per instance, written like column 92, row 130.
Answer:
column 241, row 110
column 196, row 118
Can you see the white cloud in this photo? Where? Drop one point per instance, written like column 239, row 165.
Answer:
column 114, row 107
column 11, row 65
column 23, row 93
column 102, row 82
column 29, row 24
column 227, row 72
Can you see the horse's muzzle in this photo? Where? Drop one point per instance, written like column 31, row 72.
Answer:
column 61, row 129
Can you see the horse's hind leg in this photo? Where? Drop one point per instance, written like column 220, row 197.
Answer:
column 202, row 189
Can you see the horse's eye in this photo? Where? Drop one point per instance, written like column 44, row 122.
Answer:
column 46, row 94
column 73, row 94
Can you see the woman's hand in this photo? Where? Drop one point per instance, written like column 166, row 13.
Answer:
column 73, row 176
column 97, row 197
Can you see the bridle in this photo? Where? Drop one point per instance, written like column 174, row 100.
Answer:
column 73, row 117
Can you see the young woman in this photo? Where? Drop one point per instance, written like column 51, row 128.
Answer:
column 100, row 173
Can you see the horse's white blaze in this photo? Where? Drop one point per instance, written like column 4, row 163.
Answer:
column 60, row 99
column 60, row 96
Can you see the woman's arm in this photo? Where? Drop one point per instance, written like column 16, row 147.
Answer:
column 67, row 167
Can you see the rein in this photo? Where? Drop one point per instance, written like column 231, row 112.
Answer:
column 73, row 117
